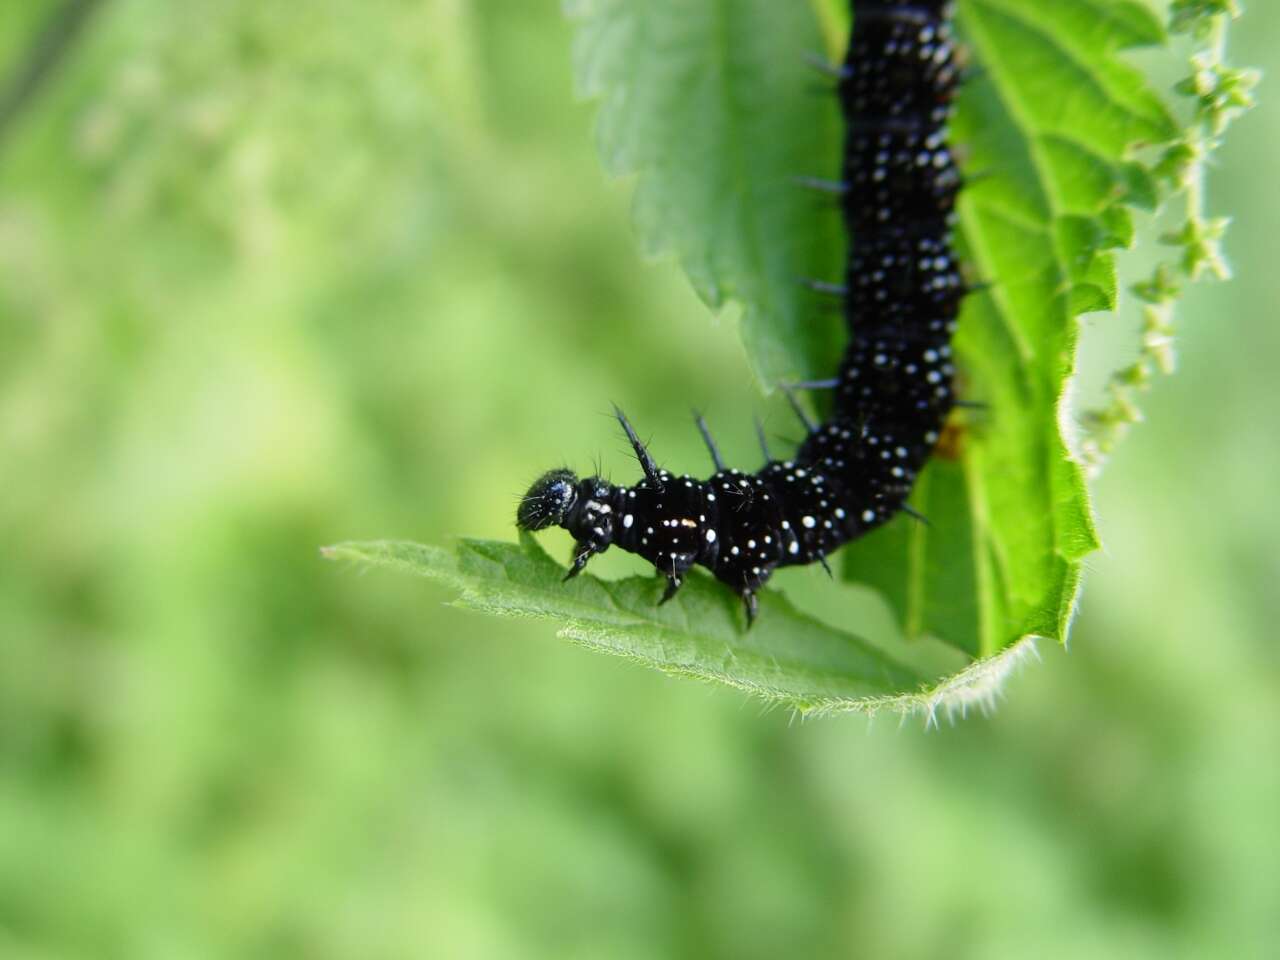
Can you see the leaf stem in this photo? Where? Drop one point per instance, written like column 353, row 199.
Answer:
column 1219, row 95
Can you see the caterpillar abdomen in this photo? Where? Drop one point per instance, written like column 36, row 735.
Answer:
column 901, row 293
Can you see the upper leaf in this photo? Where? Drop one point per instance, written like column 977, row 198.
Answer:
column 713, row 106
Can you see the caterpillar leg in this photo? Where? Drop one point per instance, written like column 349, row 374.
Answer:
column 709, row 441
column 822, row 559
column 764, row 443
column 808, row 422
column 674, row 582
column 751, row 603
column 582, row 552
column 970, row 177
column 823, row 192
column 651, row 471
column 825, row 287
column 825, row 67
column 915, row 514
column 837, row 188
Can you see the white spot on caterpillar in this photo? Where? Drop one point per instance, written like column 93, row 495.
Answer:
column 628, row 520
column 809, row 522
column 711, row 536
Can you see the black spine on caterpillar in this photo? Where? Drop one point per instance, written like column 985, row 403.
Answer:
column 902, row 293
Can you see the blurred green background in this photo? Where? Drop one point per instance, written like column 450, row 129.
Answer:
column 277, row 275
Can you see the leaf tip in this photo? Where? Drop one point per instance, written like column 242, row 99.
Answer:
column 347, row 550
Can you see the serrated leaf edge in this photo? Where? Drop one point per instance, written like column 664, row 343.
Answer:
column 976, row 686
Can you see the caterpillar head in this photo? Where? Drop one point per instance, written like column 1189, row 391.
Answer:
column 548, row 501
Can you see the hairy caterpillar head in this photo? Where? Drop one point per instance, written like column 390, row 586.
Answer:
column 548, row 501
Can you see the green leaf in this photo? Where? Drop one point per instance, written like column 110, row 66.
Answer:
column 713, row 106
column 787, row 657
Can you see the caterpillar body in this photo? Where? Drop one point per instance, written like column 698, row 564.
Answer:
column 893, row 390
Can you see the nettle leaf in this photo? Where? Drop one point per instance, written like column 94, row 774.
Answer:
column 787, row 658
column 711, row 107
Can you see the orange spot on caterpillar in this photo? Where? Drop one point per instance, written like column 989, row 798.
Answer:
column 950, row 445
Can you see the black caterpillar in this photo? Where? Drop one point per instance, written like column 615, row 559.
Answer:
column 901, row 295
